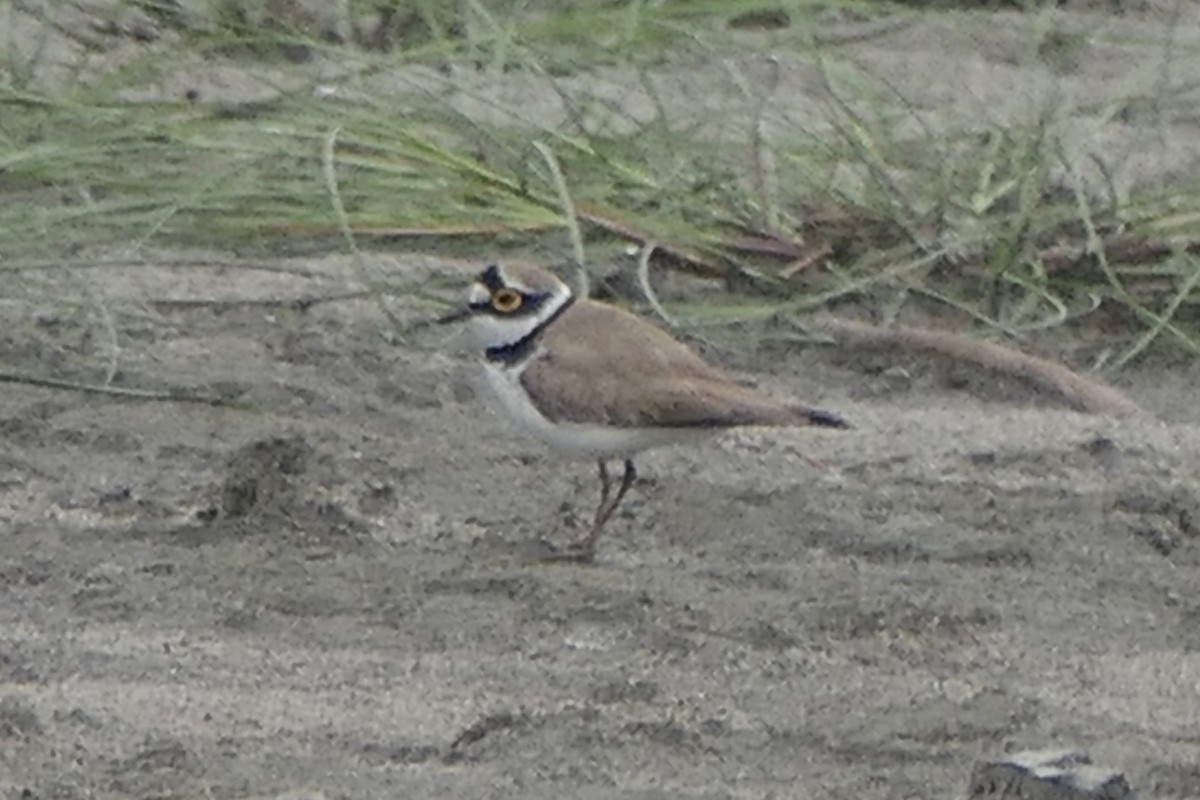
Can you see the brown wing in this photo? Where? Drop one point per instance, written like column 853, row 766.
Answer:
column 604, row 365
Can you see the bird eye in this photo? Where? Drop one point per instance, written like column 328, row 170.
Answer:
column 506, row 300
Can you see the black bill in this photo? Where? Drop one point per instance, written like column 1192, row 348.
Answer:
column 457, row 315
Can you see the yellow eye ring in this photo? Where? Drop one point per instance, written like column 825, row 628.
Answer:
column 506, row 301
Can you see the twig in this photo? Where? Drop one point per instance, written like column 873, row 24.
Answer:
column 301, row 303
column 329, row 170
column 1125, row 249
column 643, row 274
column 119, row 263
column 804, row 262
column 115, row 391
column 570, row 217
column 698, row 264
column 1081, row 391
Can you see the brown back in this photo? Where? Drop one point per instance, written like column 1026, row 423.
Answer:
column 606, row 366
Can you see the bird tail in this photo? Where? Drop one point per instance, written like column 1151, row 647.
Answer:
column 821, row 418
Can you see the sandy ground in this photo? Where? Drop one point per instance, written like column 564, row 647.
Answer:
column 329, row 591
column 333, row 591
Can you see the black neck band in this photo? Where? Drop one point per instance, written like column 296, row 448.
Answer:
column 516, row 351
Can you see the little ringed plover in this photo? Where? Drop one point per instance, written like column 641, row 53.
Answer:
column 595, row 382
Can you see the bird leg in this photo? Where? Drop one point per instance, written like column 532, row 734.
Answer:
column 585, row 549
column 605, row 487
column 606, row 509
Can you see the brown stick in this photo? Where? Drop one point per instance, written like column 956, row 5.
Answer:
column 1081, row 391
column 117, row 391
column 1127, row 249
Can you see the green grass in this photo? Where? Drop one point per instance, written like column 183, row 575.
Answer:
column 862, row 204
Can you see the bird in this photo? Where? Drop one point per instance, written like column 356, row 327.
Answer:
column 593, row 381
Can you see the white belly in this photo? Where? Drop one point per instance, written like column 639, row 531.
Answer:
column 575, row 440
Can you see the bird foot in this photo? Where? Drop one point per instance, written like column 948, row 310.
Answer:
column 568, row 519
column 582, row 552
